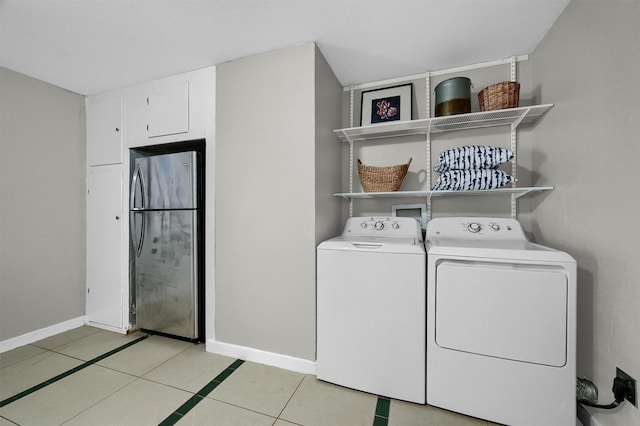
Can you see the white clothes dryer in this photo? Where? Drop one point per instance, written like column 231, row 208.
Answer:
column 501, row 323
column 371, row 308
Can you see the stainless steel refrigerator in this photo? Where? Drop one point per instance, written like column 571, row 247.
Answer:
column 165, row 236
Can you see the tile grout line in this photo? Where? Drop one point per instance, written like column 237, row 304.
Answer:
column 291, row 397
column 68, row 372
column 174, row 417
column 53, row 348
column 381, row 417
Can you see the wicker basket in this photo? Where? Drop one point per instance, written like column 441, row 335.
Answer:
column 382, row 179
column 499, row 96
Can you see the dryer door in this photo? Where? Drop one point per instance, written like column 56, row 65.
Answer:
column 503, row 310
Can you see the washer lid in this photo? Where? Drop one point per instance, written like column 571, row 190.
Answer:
column 374, row 245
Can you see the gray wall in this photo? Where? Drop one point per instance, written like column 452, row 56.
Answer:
column 328, row 151
column 588, row 147
column 266, row 200
column 42, row 215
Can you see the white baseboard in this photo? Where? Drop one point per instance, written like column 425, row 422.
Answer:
column 108, row 327
column 262, row 357
column 43, row 333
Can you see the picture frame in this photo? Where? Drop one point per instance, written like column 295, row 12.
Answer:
column 386, row 105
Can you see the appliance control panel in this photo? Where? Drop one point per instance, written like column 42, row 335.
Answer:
column 483, row 228
column 400, row 227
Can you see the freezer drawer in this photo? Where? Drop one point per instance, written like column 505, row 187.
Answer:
column 166, row 271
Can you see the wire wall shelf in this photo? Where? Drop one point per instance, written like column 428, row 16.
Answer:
column 516, row 192
column 476, row 120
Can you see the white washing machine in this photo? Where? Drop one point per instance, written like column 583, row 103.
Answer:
column 501, row 323
column 371, row 308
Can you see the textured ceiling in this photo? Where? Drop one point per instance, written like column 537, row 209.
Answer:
column 89, row 46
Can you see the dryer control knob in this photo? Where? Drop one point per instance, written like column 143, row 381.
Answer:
column 363, row 225
column 379, row 226
column 474, row 227
column 494, row 227
column 395, row 225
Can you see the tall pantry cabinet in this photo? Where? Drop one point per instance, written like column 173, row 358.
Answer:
column 173, row 109
column 105, row 232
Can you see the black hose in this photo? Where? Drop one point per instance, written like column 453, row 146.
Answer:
column 619, row 391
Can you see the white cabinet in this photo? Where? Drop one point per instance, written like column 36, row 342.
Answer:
column 105, row 246
column 105, row 221
column 168, row 109
column 173, row 109
column 104, row 129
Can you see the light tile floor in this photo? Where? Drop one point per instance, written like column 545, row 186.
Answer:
column 148, row 381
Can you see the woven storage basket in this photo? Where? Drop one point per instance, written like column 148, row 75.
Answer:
column 382, row 179
column 499, row 96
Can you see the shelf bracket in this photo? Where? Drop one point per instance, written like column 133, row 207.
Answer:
column 351, row 95
column 520, row 194
column 514, row 146
column 518, row 120
column 350, row 177
column 427, row 84
column 351, row 106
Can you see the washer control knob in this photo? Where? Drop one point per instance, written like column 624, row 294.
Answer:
column 474, row 227
column 363, row 225
column 379, row 226
column 494, row 227
column 395, row 225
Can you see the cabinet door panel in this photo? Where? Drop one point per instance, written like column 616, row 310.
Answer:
column 168, row 110
column 104, row 130
column 104, row 245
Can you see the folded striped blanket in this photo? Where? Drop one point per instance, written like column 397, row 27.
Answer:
column 472, row 157
column 460, row 180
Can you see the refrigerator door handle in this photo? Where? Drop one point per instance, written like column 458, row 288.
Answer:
column 137, row 240
column 137, row 180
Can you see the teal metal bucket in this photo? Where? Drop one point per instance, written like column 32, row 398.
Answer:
column 453, row 96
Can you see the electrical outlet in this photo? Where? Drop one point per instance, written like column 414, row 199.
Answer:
column 631, row 394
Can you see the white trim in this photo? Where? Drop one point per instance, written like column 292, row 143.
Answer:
column 262, row 357
column 393, row 81
column 43, row 333
column 108, row 327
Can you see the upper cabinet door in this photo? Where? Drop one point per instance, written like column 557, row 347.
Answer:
column 104, row 130
column 168, row 110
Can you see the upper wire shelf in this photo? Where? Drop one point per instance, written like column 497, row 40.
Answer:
column 450, row 123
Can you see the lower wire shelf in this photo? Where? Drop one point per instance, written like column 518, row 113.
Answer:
column 517, row 192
